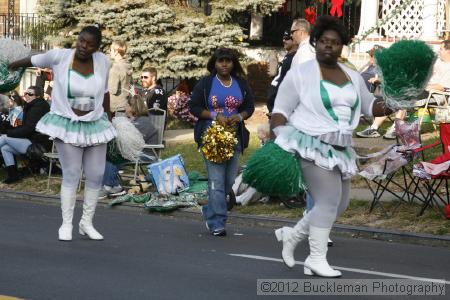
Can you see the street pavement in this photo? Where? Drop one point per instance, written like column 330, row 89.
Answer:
column 148, row 256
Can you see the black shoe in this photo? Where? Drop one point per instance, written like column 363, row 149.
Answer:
column 219, row 232
column 13, row 175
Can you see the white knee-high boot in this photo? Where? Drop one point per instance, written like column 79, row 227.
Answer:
column 68, row 199
column 90, row 202
column 316, row 263
column 290, row 238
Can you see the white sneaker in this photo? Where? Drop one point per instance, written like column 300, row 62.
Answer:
column 103, row 194
column 390, row 133
column 116, row 191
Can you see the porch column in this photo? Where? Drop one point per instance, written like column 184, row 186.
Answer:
column 28, row 6
column 256, row 27
column 369, row 17
column 429, row 24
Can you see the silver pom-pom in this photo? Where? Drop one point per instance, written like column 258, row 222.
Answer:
column 129, row 139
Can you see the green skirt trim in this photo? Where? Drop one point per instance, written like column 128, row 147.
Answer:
column 77, row 132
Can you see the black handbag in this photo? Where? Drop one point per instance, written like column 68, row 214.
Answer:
column 36, row 151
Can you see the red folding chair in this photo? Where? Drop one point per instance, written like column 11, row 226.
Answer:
column 436, row 173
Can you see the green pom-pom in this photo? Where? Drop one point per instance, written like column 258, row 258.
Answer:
column 273, row 171
column 9, row 80
column 405, row 68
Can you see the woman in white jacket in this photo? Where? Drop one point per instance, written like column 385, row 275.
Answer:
column 317, row 107
column 77, row 122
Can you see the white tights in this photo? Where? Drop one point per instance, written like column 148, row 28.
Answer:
column 330, row 193
column 72, row 158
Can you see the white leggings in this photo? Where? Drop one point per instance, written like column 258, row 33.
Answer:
column 330, row 193
column 72, row 158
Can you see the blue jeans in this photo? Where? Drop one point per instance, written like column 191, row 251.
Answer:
column 220, row 181
column 111, row 176
column 10, row 146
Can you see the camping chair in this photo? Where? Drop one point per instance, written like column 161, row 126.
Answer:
column 158, row 119
column 53, row 160
column 440, row 105
column 394, row 159
column 152, row 152
column 435, row 173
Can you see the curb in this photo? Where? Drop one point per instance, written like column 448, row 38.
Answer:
column 268, row 222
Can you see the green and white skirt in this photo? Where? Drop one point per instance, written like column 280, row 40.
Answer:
column 313, row 149
column 77, row 133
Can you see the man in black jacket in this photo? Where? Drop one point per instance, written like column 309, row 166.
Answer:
column 291, row 47
column 18, row 139
column 154, row 95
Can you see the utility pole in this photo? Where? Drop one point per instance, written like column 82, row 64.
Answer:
column 10, row 21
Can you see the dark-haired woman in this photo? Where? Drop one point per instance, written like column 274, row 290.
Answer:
column 223, row 96
column 78, row 123
column 318, row 106
column 17, row 139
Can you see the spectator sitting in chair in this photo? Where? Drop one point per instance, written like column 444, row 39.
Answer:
column 153, row 93
column 440, row 80
column 137, row 112
column 372, row 82
column 18, row 139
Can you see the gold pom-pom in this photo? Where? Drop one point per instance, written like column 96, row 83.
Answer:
column 218, row 143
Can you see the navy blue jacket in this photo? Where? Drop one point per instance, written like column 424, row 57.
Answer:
column 199, row 102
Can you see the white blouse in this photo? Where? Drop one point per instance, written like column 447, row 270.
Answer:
column 59, row 60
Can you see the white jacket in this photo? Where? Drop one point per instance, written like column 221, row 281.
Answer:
column 300, row 102
column 59, row 61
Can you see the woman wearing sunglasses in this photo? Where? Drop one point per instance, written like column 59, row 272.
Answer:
column 78, row 123
column 18, row 138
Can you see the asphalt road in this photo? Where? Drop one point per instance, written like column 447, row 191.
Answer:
column 148, row 256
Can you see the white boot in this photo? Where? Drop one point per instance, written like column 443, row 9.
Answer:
column 90, row 202
column 68, row 199
column 290, row 238
column 316, row 263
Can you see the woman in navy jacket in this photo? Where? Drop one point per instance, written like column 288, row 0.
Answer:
column 18, row 139
column 223, row 96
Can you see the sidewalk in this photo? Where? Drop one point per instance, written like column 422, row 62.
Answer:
column 259, row 117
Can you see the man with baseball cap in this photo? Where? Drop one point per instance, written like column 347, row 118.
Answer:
column 291, row 47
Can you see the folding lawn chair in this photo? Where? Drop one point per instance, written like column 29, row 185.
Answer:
column 151, row 152
column 438, row 101
column 391, row 161
column 53, row 160
column 435, row 173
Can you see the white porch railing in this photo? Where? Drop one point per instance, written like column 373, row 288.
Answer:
column 384, row 22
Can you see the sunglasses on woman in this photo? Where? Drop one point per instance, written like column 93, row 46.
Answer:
column 29, row 94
